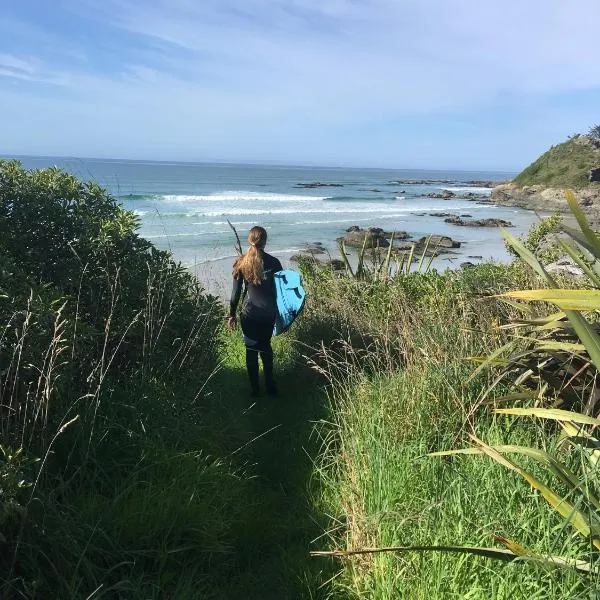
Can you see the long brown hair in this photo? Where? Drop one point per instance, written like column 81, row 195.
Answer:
column 250, row 264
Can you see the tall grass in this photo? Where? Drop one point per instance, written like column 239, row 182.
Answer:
column 401, row 386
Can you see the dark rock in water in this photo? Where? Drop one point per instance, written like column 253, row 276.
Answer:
column 444, row 195
column 467, row 265
column 441, row 241
column 594, row 174
column 422, row 181
column 375, row 237
column 482, row 184
column 441, row 214
column 454, row 220
column 473, row 196
column 479, row 222
column 314, row 249
column 318, row 184
column 368, row 238
column 465, row 216
column 476, row 257
column 374, row 190
column 303, row 258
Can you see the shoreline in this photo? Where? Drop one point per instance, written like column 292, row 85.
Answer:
column 214, row 274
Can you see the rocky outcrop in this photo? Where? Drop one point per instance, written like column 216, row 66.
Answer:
column 318, row 184
column 441, row 241
column 366, row 237
column 566, row 266
column 375, row 237
column 474, row 183
column 434, row 245
column 334, row 263
column 478, row 222
column 443, row 195
column 594, row 175
column 537, row 197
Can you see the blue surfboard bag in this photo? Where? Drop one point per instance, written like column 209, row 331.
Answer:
column 290, row 297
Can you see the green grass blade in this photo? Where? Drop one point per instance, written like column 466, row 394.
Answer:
column 342, row 247
column 386, row 266
column 562, row 472
column 361, row 258
column 553, row 414
column 423, row 253
column 578, row 520
column 584, row 225
column 565, row 299
column 410, row 258
column 504, row 554
column 562, row 346
column 492, row 359
column 527, row 256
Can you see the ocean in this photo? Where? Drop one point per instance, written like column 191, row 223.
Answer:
column 184, row 207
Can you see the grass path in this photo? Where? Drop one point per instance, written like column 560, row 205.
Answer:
column 279, row 442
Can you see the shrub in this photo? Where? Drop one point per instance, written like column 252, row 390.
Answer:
column 105, row 344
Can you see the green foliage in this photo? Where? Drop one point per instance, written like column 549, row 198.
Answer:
column 106, row 344
column 540, row 240
column 560, row 364
column 402, row 385
column 564, row 165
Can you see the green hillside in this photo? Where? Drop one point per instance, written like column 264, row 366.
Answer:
column 565, row 165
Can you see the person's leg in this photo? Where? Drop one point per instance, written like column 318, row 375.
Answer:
column 266, row 355
column 252, row 368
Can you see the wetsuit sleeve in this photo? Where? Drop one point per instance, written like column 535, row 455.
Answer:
column 236, row 292
column 278, row 266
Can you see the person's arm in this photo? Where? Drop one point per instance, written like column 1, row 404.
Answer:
column 236, row 292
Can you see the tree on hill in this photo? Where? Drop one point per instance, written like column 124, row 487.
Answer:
column 595, row 132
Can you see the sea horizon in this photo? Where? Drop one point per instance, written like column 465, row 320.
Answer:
column 267, row 163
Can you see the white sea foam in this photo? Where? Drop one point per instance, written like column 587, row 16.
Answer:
column 241, row 196
column 349, row 210
column 232, row 222
column 217, row 258
column 140, row 213
column 189, row 234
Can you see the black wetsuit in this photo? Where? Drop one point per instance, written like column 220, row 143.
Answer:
column 257, row 320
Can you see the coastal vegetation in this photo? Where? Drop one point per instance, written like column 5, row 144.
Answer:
column 133, row 464
column 565, row 165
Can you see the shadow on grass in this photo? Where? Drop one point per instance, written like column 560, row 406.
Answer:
column 283, row 523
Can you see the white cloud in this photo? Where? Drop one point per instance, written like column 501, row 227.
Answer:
column 17, row 64
column 222, row 73
column 390, row 55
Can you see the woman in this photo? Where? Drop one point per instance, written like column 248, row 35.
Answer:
column 255, row 269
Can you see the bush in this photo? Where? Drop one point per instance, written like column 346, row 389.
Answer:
column 105, row 344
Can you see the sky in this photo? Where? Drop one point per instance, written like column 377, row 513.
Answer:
column 458, row 84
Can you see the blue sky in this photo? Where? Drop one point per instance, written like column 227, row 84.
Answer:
column 392, row 83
